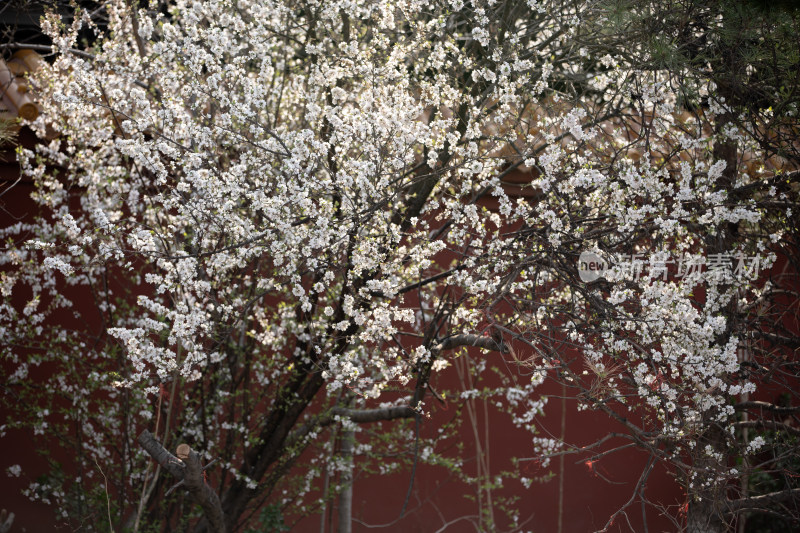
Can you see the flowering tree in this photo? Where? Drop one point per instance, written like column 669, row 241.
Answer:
column 278, row 210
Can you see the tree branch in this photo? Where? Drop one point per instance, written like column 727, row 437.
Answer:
column 765, row 501
column 766, row 424
column 479, row 341
column 169, row 462
column 362, row 416
column 741, row 406
column 190, row 471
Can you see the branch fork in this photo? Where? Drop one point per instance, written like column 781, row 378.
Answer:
column 186, row 467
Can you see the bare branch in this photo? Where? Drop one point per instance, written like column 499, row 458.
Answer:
column 363, row 416
column 190, row 472
column 203, row 494
column 169, row 462
column 479, row 341
column 764, row 501
column 766, row 424
column 741, row 406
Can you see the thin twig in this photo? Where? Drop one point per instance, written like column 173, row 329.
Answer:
column 108, row 500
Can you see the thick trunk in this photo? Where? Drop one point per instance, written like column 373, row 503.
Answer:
column 707, row 507
column 705, row 516
column 188, row 470
column 262, row 457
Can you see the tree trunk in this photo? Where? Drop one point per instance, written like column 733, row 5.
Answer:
column 346, row 480
column 706, row 512
column 704, row 516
